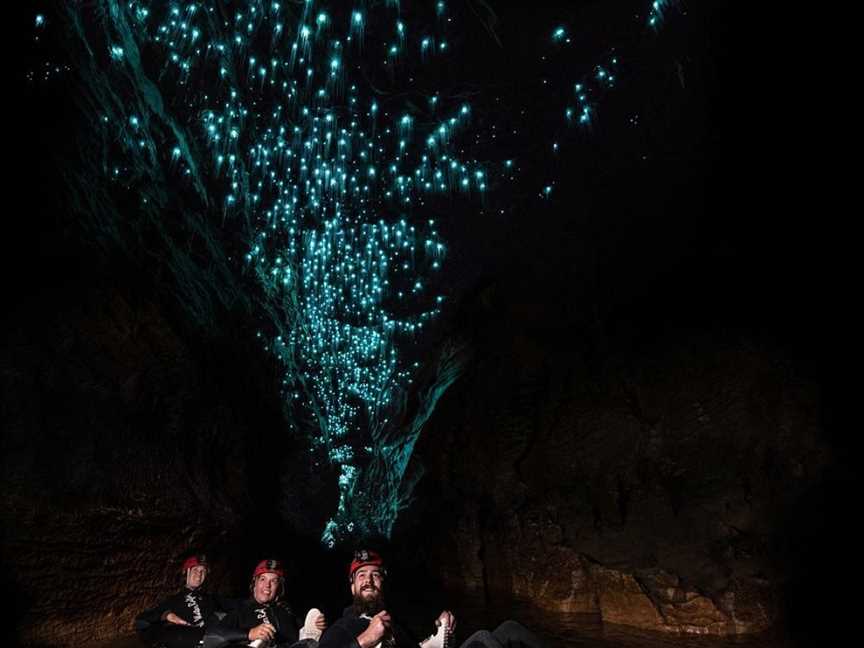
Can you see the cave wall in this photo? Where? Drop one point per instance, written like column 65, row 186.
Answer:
column 647, row 478
column 648, row 481
column 131, row 437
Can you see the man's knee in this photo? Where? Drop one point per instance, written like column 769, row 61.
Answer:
column 510, row 626
column 513, row 633
column 481, row 639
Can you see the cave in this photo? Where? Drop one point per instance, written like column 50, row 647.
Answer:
column 629, row 404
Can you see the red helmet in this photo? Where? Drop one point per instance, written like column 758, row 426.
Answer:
column 194, row 561
column 363, row 558
column 269, row 566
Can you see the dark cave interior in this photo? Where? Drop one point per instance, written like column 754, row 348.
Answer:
column 655, row 396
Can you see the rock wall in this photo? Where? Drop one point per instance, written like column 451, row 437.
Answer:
column 129, row 439
column 81, row 576
column 647, row 483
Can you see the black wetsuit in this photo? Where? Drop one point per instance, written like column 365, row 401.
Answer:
column 344, row 633
column 234, row 628
column 195, row 607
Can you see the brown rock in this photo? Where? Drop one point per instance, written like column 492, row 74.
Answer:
column 750, row 605
column 623, row 601
column 696, row 614
column 668, row 471
column 559, row 580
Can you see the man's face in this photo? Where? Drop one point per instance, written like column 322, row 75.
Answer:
column 195, row 576
column 367, row 584
column 266, row 587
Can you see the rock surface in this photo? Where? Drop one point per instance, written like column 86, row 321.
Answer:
column 125, row 446
column 647, row 487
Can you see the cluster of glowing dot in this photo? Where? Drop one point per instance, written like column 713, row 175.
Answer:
column 328, row 182
column 332, row 180
column 586, row 92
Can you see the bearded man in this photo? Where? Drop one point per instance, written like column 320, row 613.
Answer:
column 367, row 623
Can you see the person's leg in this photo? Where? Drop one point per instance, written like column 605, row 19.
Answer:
column 481, row 639
column 512, row 634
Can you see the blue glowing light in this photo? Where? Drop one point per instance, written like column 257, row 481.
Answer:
column 657, row 12
column 327, row 182
column 339, row 241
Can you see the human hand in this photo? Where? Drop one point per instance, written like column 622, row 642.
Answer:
column 264, row 631
column 378, row 626
column 176, row 620
column 447, row 617
column 321, row 623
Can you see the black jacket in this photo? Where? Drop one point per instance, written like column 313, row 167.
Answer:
column 195, row 607
column 344, row 633
column 236, row 625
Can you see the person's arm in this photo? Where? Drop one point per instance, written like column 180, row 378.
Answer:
column 155, row 615
column 440, row 638
column 354, row 632
column 226, row 630
column 446, row 618
column 221, row 606
column 443, row 632
column 338, row 636
column 379, row 626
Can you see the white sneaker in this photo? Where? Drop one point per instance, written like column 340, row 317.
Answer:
column 309, row 630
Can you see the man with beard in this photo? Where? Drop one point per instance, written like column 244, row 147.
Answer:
column 368, row 624
column 264, row 620
column 179, row 621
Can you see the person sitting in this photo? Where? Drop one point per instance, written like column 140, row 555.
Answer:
column 180, row 620
column 264, row 619
column 368, row 624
